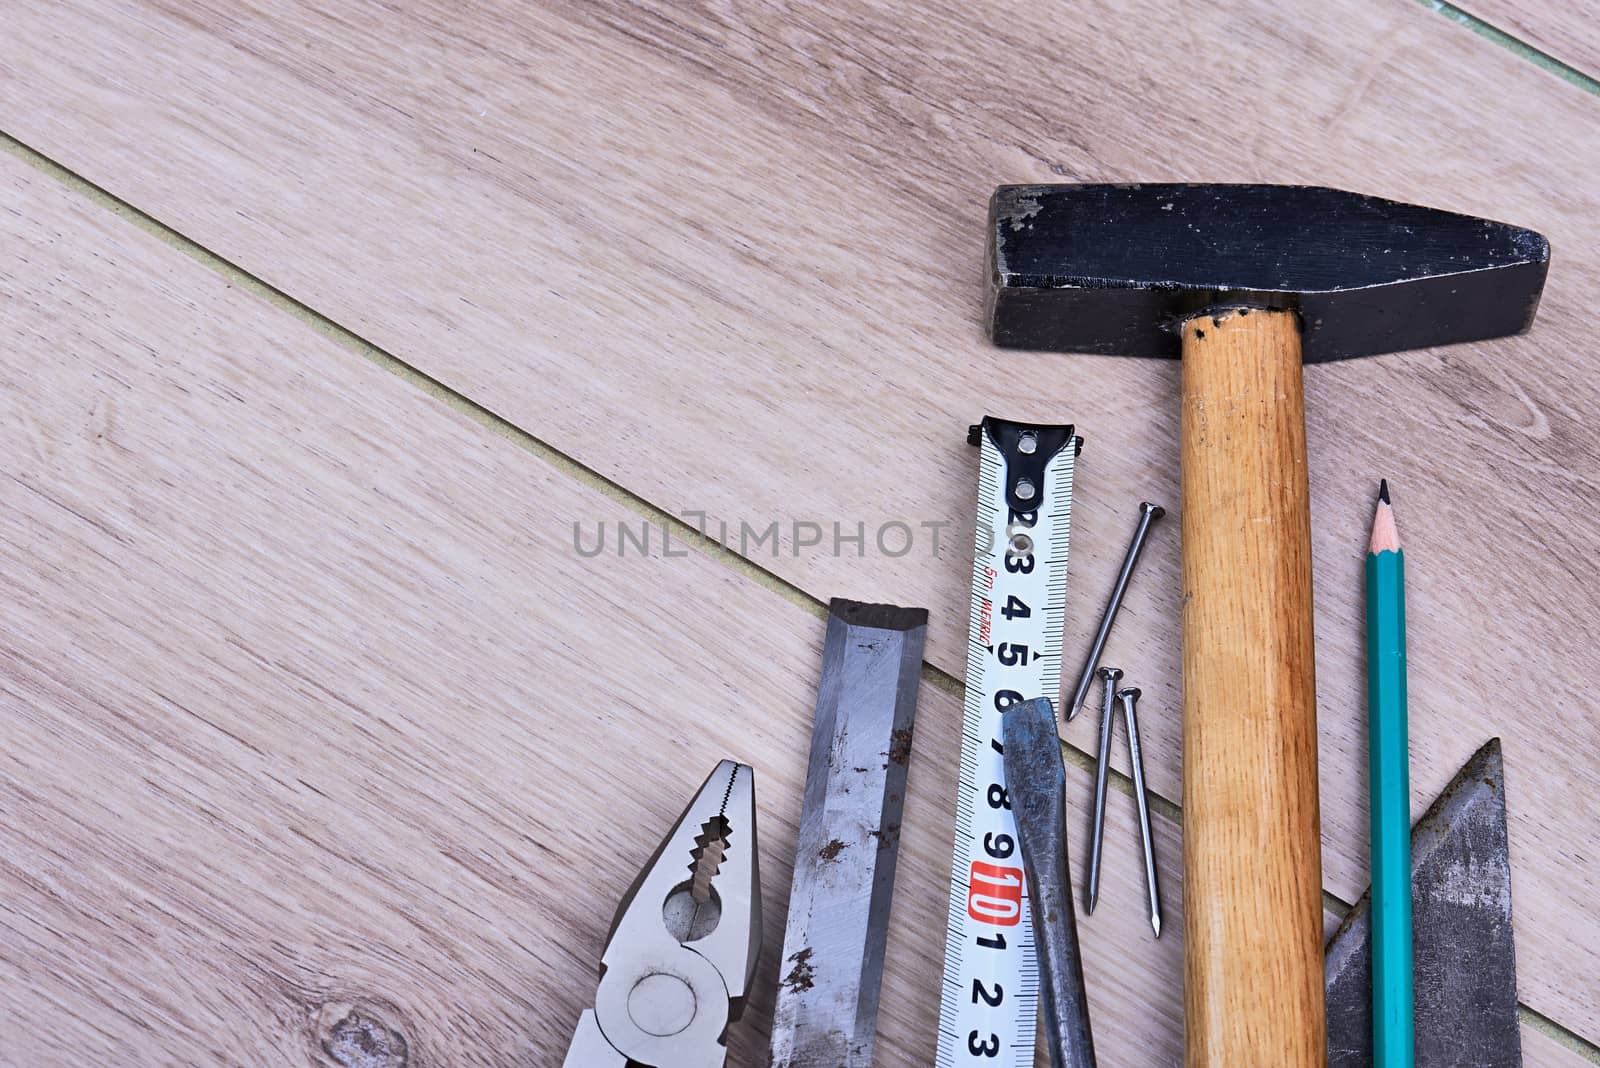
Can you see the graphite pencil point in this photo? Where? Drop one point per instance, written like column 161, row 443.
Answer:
column 1385, row 535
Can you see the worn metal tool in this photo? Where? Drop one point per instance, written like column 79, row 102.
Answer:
column 1102, row 774
column 1036, row 781
column 833, row 946
column 1246, row 281
column 1148, row 513
column 1465, row 959
column 1130, row 701
column 682, row 950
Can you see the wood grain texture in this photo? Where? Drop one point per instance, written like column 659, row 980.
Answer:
column 1252, row 865
column 1565, row 29
column 754, row 230
column 1539, row 1050
column 304, row 760
column 317, row 740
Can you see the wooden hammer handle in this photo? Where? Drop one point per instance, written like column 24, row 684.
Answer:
column 1252, row 863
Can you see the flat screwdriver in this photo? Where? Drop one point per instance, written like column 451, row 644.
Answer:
column 1037, row 781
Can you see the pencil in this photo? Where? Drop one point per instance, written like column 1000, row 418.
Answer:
column 1392, row 1032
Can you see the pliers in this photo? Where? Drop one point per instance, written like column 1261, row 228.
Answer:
column 683, row 947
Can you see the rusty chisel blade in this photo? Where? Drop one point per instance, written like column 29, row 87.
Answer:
column 833, row 946
column 1464, row 959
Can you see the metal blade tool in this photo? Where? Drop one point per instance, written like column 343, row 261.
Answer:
column 838, row 926
column 1465, row 961
column 988, row 1010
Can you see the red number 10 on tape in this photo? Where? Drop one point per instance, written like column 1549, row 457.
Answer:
column 994, row 894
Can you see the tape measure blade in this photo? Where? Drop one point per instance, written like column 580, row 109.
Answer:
column 988, row 1012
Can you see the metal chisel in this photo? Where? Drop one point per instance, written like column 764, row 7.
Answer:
column 838, row 926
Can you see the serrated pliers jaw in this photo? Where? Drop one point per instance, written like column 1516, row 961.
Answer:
column 683, row 947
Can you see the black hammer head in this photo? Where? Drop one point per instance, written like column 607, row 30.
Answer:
column 1115, row 268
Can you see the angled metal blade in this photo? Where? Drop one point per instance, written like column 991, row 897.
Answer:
column 833, row 946
column 1465, row 962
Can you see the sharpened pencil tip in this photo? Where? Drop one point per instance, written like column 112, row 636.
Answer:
column 1385, row 538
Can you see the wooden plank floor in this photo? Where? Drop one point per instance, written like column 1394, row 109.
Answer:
column 489, row 195
column 1563, row 29
column 268, row 790
column 267, row 774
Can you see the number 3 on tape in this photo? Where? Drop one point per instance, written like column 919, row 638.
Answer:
column 988, row 1008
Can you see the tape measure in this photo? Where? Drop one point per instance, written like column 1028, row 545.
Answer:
column 988, row 1009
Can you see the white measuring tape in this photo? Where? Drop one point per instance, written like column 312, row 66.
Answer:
column 988, row 1010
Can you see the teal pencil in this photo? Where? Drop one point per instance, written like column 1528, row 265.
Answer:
column 1393, row 1041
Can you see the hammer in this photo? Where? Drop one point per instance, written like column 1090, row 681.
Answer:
column 1245, row 283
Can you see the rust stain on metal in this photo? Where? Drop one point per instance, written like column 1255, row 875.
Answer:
column 889, row 837
column 900, row 746
column 803, row 975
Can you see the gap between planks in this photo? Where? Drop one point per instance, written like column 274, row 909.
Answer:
column 1541, row 59
column 689, row 535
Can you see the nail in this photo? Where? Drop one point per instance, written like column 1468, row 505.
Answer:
column 1148, row 513
column 1130, row 699
column 1102, row 771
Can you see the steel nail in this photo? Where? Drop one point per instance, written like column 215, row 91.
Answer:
column 1102, row 772
column 1130, row 698
column 1148, row 513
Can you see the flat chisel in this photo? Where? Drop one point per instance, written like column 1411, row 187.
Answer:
column 833, row 947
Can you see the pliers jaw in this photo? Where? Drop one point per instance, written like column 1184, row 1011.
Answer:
column 683, row 947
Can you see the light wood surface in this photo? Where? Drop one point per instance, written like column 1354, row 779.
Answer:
column 1564, row 29
column 302, row 746
column 310, row 720
column 723, row 255
column 1539, row 1050
column 1252, row 864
